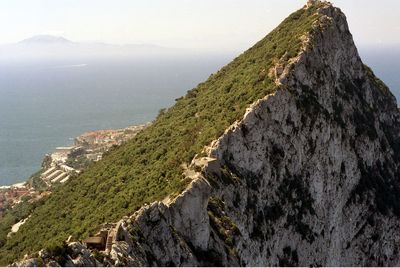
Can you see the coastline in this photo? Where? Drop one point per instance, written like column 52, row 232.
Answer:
column 66, row 161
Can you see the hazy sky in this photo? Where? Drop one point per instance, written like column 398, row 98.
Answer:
column 204, row 24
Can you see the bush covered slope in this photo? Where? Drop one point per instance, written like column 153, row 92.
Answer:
column 148, row 168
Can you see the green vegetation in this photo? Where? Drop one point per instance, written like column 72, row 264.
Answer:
column 148, row 167
column 79, row 162
column 36, row 181
column 14, row 215
column 378, row 83
column 225, row 228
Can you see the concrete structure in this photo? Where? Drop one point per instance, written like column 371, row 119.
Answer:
column 65, row 179
column 95, row 242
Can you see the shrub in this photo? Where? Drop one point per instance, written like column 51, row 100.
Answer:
column 148, row 167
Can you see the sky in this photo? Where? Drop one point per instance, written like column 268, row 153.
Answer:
column 206, row 24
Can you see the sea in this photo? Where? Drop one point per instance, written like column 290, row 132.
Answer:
column 45, row 104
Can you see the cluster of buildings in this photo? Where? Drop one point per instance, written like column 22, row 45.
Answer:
column 56, row 173
column 14, row 194
column 11, row 195
column 88, row 147
column 93, row 144
column 59, row 166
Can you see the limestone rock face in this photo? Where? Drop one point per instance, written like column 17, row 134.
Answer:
column 169, row 230
column 317, row 162
column 309, row 176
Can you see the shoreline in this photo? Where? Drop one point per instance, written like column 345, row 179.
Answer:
column 64, row 162
column 21, row 183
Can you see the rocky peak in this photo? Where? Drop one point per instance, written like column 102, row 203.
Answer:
column 315, row 2
column 308, row 176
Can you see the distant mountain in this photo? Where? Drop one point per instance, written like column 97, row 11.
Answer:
column 45, row 39
column 56, row 48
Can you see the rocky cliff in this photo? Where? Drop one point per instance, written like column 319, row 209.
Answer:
column 308, row 176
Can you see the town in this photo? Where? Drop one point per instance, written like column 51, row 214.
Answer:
column 64, row 162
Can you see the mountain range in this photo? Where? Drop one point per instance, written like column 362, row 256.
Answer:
column 47, row 47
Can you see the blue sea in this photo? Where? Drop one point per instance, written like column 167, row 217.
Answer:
column 46, row 104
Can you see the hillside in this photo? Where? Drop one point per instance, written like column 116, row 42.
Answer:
column 149, row 167
column 287, row 156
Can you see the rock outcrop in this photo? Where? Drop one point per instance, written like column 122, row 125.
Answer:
column 309, row 176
